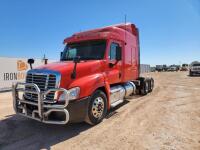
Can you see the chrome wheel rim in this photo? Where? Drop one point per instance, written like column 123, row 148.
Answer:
column 98, row 107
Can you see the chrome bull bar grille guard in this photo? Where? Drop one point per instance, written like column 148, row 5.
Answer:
column 43, row 110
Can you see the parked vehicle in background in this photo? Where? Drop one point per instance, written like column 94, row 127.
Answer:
column 159, row 68
column 165, row 68
column 178, row 67
column 173, row 68
column 98, row 69
column 194, row 68
column 184, row 67
column 153, row 69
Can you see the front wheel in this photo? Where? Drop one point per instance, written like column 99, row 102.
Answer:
column 97, row 108
column 191, row 73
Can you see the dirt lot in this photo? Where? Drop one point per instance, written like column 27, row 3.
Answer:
column 168, row 118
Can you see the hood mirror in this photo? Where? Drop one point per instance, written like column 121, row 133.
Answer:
column 30, row 62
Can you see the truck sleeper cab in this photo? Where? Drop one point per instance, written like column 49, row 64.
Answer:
column 194, row 69
column 98, row 69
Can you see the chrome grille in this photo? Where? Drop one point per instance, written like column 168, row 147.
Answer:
column 44, row 82
column 196, row 69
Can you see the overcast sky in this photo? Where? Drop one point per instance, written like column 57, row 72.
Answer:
column 169, row 29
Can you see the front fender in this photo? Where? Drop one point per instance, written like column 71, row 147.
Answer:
column 88, row 84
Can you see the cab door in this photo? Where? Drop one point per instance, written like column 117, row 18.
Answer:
column 114, row 66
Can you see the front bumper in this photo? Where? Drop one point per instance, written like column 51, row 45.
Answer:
column 40, row 111
column 196, row 72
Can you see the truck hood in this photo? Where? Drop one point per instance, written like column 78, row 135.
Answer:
column 65, row 68
column 58, row 66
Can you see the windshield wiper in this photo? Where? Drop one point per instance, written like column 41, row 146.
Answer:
column 81, row 58
column 89, row 58
column 66, row 59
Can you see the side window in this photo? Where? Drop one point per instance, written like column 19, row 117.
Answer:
column 113, row 50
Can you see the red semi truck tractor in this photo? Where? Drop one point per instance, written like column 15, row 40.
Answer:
column 97, row 71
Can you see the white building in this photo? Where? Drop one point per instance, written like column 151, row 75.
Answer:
column 14, row 70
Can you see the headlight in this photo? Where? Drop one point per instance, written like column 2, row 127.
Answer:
column 73, row 93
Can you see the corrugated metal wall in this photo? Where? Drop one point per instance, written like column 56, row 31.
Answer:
column 145, row 68
column 14, row 70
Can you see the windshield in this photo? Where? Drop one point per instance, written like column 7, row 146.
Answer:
column 195, row 65
column 87, row 50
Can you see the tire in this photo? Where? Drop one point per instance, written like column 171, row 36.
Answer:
column 191, row 73
column 144, row 87
column 151, row 84
column 97, row 108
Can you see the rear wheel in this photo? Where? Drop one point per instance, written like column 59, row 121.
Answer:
column 144, row 87
column 151, row 84
column 97, row 108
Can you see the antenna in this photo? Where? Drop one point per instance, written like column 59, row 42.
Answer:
column 44, row 57
column 125, row 28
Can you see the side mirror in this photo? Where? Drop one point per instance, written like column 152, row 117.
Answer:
column 76, row 60
column 118, row 53
column 61, row 53
column 30, row 62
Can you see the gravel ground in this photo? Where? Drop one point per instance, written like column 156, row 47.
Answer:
column 168, row 118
